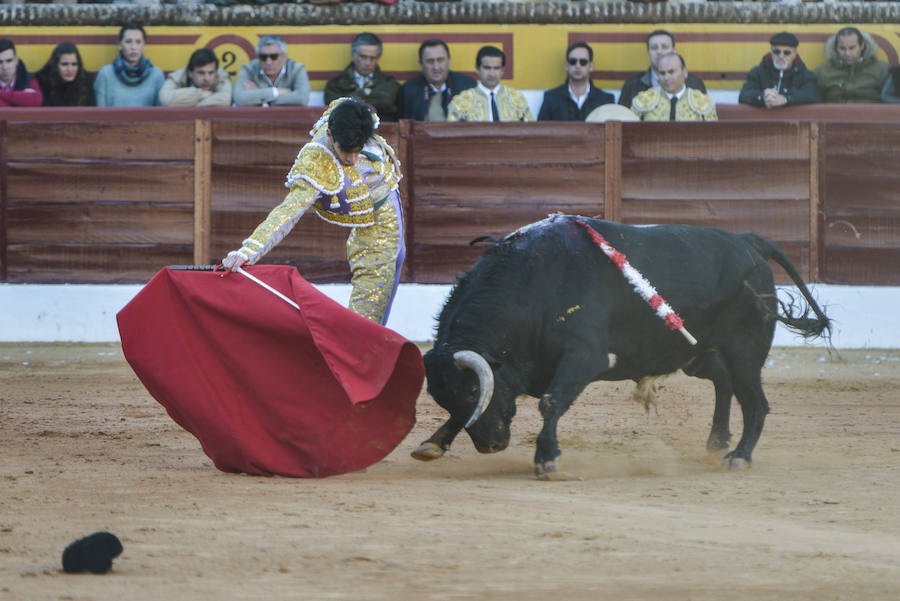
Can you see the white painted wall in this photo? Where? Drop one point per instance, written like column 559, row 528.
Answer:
column 864, row 316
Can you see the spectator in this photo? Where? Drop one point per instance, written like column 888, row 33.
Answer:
column 659, row 43
column 851, row 73
column 348, row 174
column 63, row 80
column 672, row 100
column 364, row 80
column 578, row 96
column 425, row 97
column 781, row 79
column 201, row 83
column 131, row 79
column 17, row 87
column 272, row 78
column 891, row 91
column 489, row 100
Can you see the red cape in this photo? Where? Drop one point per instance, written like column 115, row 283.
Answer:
column 268, row 389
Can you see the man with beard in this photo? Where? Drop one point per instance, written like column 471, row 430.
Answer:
column 781, row 79
column 575, row 99
column 852, row 73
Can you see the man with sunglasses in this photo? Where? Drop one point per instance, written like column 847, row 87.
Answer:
column 272, row 78
column 578, row 96
column 781, row 79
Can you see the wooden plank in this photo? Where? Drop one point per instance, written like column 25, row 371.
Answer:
column 715, row 141
column 161, row 183
column 861, row 230
column 4, row 178
column 862, row 266
column 474, row 145
column 159, row 140
column 612, row 171
column 816, row 221
column 202, row 190
column 760, row 179
column 792, row 223
column 404, row 149
column 255, row 144
column 92, row 264
column 100, row 223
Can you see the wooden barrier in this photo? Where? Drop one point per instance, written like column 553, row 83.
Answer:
column 84, row 200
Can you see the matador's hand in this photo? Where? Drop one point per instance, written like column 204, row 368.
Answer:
column 233, row 260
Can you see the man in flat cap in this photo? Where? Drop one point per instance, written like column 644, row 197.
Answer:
column 781, row 78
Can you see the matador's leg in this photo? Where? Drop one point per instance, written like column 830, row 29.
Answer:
column 376, row 254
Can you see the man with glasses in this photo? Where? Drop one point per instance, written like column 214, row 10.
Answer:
column 659, row 43
column 272, row 78
column 781, row 79
column 578, row 96
column 364, row 80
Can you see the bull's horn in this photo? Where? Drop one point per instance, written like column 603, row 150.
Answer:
column 476, row 363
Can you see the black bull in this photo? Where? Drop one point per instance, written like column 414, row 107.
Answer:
column 545, row 312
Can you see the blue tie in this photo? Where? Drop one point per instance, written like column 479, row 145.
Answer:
column 494, row 111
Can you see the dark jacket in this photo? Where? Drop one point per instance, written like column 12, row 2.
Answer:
column 412, row 103
column 559, row 106
column 636, row 84
column 798, row 84
column 381, row 92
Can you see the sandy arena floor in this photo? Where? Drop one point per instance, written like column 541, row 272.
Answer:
column 83, row 447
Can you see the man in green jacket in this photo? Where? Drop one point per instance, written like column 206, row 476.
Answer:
column 852, row 73
column 364, row 80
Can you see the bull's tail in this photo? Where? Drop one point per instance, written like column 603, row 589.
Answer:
column 789, row 312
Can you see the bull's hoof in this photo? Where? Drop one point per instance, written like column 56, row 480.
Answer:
column 735, row 464
column 549, row 471
column 715, row 444
column 427, row 451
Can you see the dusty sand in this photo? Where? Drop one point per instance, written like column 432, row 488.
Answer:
column 83, row 447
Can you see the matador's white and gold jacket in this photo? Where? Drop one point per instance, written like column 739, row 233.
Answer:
column 342, row 195
column 694, row 105
column 474, row 105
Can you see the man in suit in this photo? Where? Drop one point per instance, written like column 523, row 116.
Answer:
column 672, row 99
column 578, row 96
column 659, row 43
column 425, row 97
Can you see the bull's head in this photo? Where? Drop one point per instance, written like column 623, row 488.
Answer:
column 462, row 382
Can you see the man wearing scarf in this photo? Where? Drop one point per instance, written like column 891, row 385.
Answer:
column 131, row 79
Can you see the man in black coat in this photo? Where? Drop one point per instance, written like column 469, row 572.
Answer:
column 659, row 43
column 781, row 79
column 425, row 97
column 575, row 99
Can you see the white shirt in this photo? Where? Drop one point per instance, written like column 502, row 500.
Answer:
column 579, row 100
column 487, row 92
